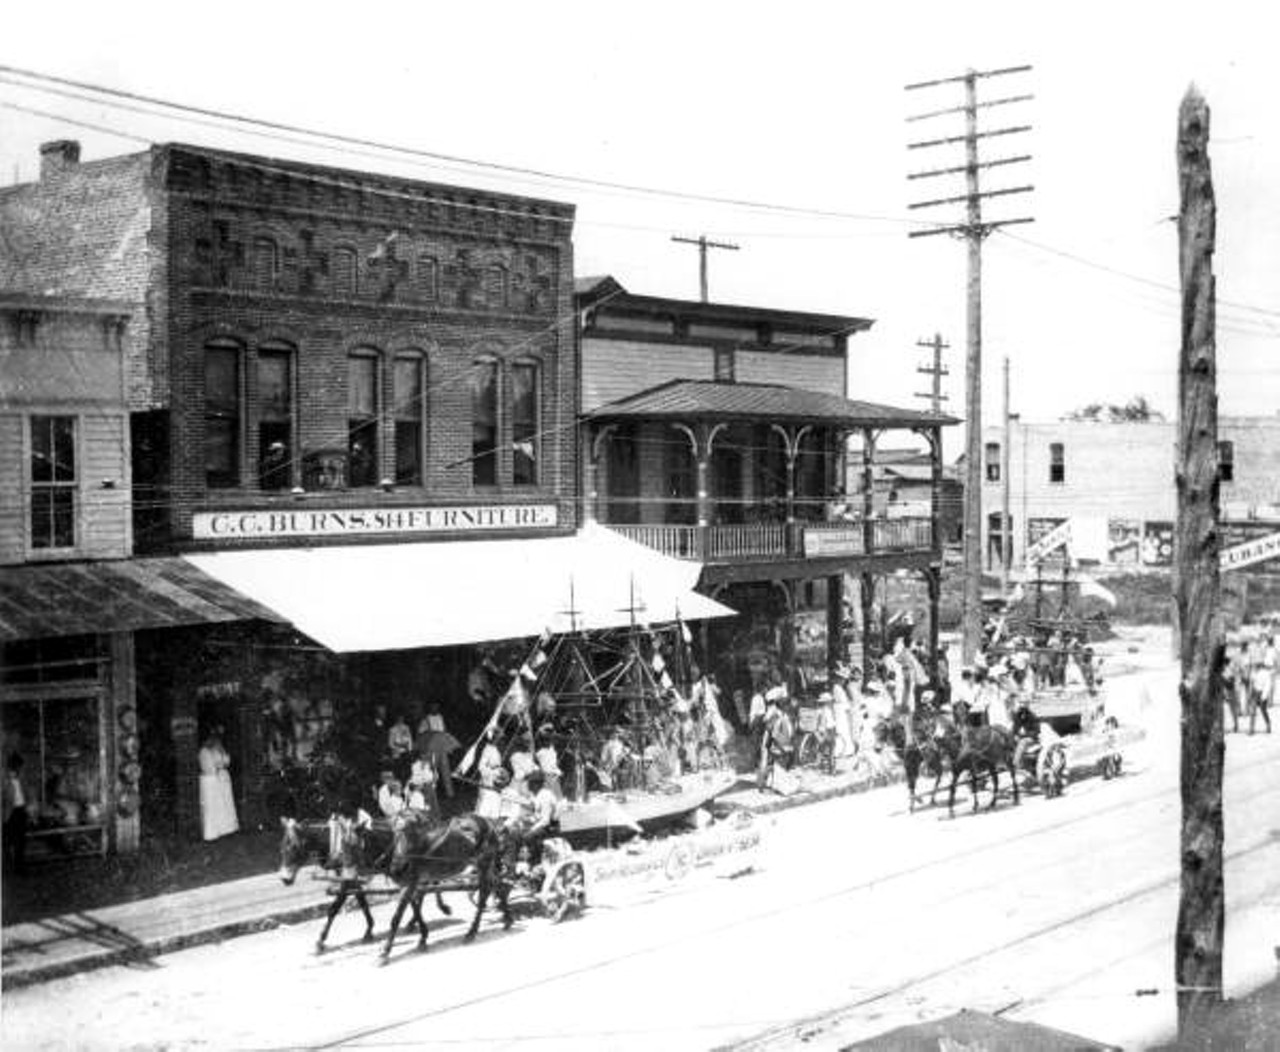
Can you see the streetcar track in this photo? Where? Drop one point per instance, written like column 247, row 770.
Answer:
column 814, row 1024
column 867, row 884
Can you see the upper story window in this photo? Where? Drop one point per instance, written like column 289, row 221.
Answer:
column 1226, row 461
column 1057, row 462
column 408, row 410
column 525, row 412
column 222, row 412
column 484, row 423
column 725, row 366
column 264, row 263
column 53, row 481
column 428, row 278
column 342, row 267
column 362, row 418
column 993, row 461
column 275, row 417
column 494, row 287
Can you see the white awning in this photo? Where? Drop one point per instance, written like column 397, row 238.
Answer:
column 401, row 596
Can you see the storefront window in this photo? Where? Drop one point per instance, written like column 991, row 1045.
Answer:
column 484, row 423
column 362, row 419
column 58, row 740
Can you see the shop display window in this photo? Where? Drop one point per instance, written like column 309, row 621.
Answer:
column 60, row 743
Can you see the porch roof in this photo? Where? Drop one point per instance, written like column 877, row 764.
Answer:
column 684, row 400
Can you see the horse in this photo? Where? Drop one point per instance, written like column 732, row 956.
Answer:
column 347, row 847
column 423, row 853
column 983, row 747
column 922, row 749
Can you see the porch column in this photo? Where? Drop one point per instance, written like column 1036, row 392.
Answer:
column 868, row 490
column 835, row 623
column 595, row 450
column 788, row 641
column 933, row 582
column 933, row 435
column 867, row 598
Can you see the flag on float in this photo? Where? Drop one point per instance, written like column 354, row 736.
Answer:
column 513, row 702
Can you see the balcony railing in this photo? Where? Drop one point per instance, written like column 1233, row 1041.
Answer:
column 777, row 540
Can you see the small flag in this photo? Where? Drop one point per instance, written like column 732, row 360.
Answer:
column 659, row 662
column 538, row 660
column 666, row 681
column 526, row 672
column 516, row 699
column 544, row 640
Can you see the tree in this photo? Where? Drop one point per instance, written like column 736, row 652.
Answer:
column 1138, row 410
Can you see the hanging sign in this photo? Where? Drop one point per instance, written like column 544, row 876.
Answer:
column 1241, row 555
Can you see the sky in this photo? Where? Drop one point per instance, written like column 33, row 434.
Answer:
column 800, row 105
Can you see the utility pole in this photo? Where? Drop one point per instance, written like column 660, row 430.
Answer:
column 703, row 244
column 1198, row 942
column 1006, row 528
column 974, row 230
column 937, row 370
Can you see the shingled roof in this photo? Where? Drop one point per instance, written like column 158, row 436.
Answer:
column 753, row 402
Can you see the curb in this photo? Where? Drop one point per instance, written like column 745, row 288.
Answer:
column 37, row 974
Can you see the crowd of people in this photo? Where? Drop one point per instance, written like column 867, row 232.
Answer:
column 1250, row 677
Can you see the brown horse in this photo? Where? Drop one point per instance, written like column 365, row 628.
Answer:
column 988, row 748
column 925, row 748
column 424, row 853
column 352, row 852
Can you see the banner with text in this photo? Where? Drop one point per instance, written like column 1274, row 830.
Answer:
column 336, row 522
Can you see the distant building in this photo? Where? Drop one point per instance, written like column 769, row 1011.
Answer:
column 1115, row 483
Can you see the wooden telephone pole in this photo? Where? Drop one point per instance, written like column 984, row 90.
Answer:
column 973, row 230
column 703, row 244
column 1201, row 906
column 937, row 370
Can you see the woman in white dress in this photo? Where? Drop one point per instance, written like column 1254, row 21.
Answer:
column 217, row 801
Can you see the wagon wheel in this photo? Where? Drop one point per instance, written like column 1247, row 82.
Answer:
column 566, row 891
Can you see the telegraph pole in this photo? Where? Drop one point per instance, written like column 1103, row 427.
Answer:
column 974, row 230
column 1006, row 531
column 937, row 370
column 1198, row 941
column 703, row 244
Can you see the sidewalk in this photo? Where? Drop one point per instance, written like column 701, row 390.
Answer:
column 134, row 932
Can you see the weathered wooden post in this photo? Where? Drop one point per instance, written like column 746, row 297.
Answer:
column 1201, row 910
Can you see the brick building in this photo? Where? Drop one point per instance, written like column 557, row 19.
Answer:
column 1115, row 483
column 312, row 362
column 718, row 433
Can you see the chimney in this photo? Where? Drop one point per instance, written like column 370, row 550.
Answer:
column 57, row 156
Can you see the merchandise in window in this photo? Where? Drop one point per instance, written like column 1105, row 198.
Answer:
column 362, row 420
column 408, row 410
column 484, row 424
column 524, row 424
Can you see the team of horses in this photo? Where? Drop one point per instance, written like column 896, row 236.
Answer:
column 418, row 855
column 934, row 742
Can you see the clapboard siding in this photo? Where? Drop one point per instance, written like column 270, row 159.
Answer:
column 104, row 516
column 12, row 502
column 806, row 372
column 614, row 369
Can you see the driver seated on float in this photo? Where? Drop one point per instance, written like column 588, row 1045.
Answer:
column 1026, row 732
column 542, row 810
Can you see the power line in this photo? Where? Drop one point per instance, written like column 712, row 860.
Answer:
column 349, row 143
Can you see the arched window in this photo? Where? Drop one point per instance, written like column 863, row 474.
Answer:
column 526, row 410
column 343, row 269
column 484, row 422
column 409, row 413
column 362, row 417
column 223, row 408
column 274, row 403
